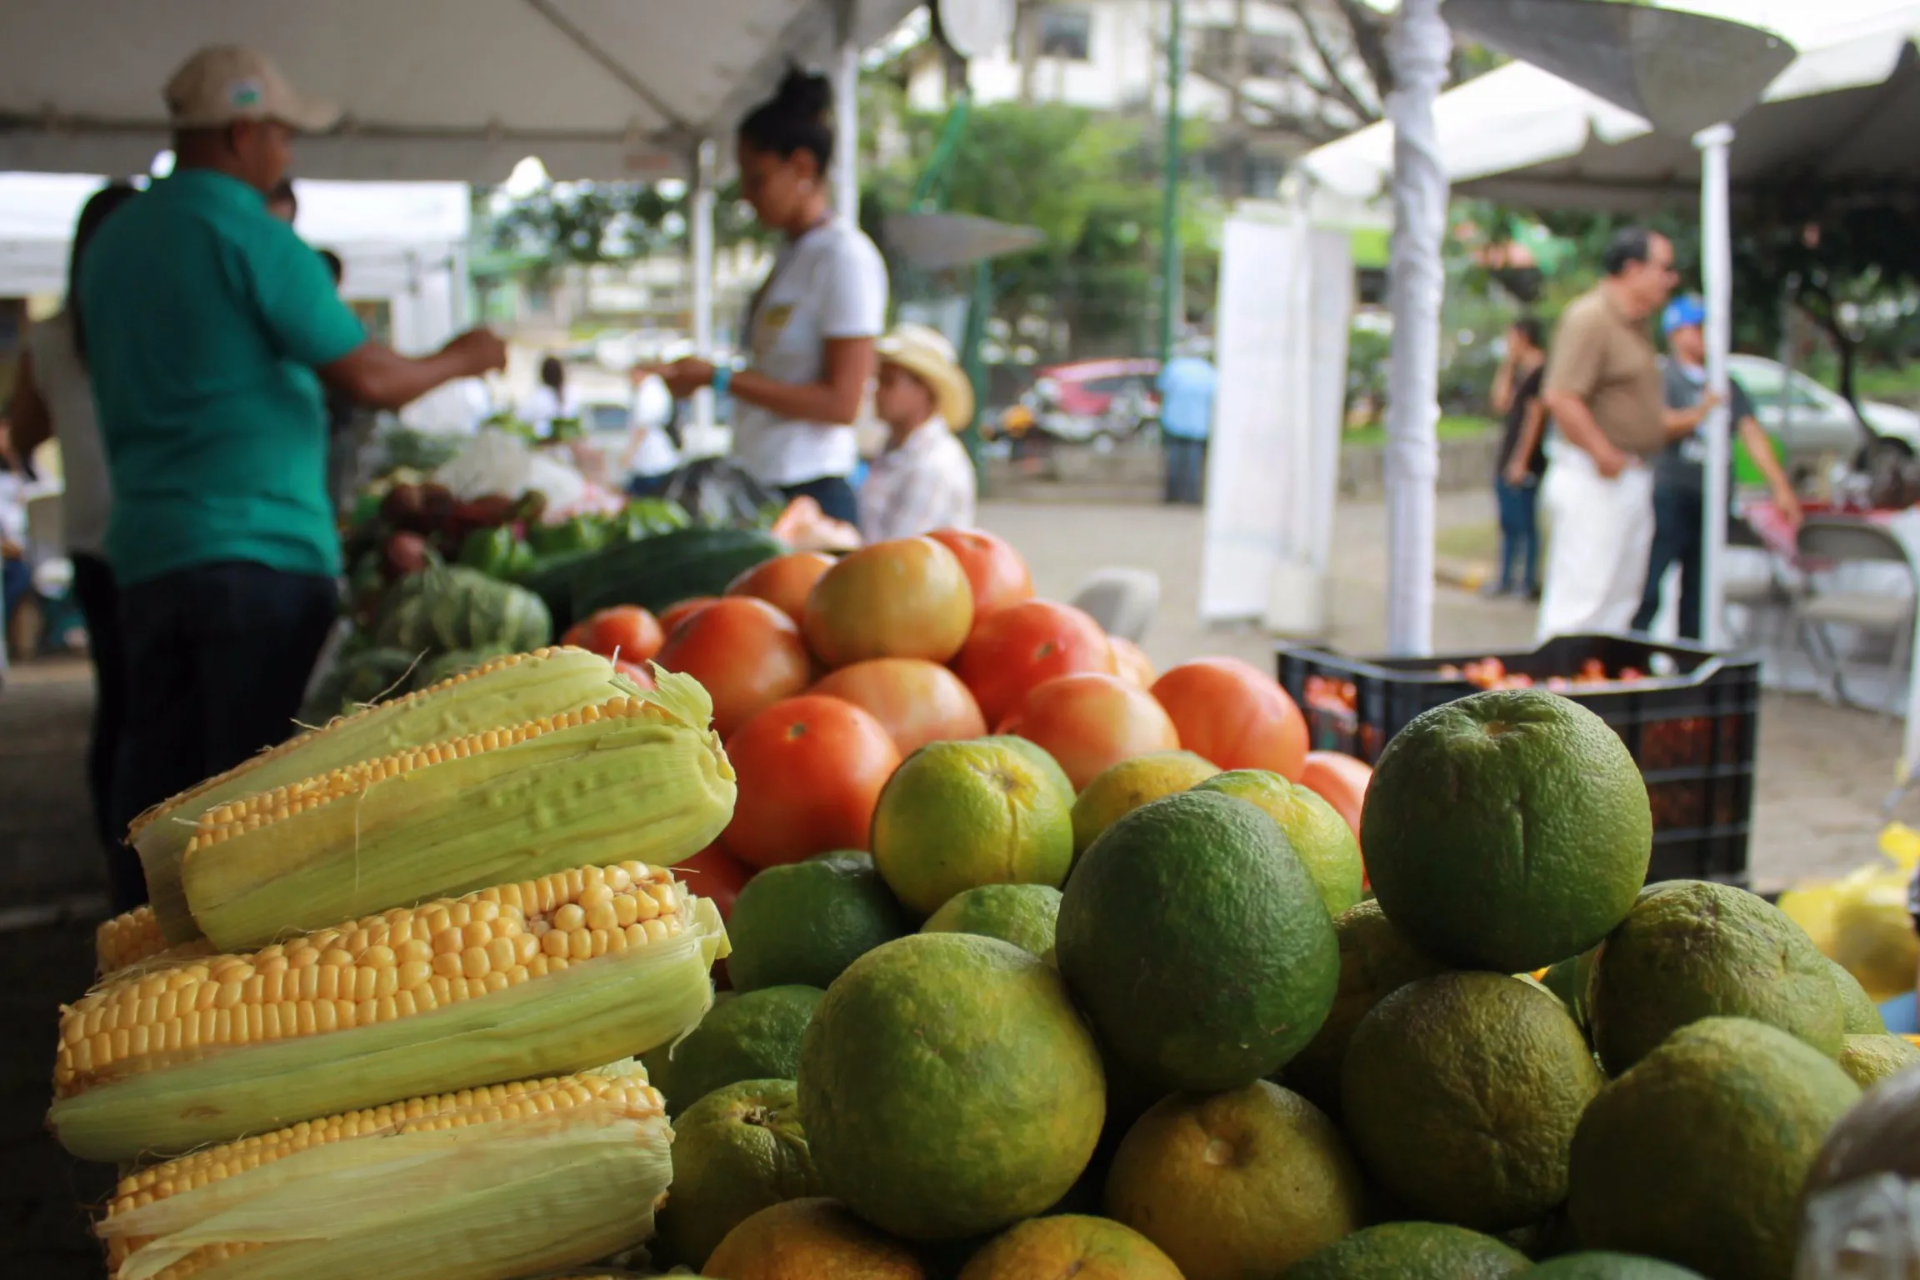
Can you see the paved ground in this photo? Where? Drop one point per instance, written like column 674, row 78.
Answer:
column 1822, row 772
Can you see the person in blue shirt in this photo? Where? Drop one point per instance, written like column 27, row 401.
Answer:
column 1186, row 419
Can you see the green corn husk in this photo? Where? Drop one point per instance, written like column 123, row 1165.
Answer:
column 487, row 1200
column 543, row 683
column 655, row 787
column 618, row 1005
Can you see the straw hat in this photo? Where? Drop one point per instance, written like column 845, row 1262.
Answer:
column 927, row 355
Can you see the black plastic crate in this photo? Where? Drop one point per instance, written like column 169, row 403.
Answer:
column 1691, row 722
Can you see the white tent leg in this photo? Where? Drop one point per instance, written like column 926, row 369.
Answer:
column 700, row 237
column 1419, row 46
column 846, row 119
column 1716, row 235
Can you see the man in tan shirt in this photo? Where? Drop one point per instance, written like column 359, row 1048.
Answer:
column 1605, row 394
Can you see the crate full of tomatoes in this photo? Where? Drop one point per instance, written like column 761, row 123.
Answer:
column 1690, row 717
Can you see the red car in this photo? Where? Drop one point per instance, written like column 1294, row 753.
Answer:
column 1087, row 398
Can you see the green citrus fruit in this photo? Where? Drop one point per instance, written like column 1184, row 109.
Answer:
column 1860, row 1016
column 1698, row 1153
column 1119, row 789
column 736, row 1151
column 809, row 1240
column 755, row 1036
column 1085, row 1248
column 1413, row 1251
column 1609, row 1266
column 1318, row 833
column 805, row 922
column 957, row 815
column 1506, row 830
column 949, row 1086
column 1022, row 914
column 1197, row 941
column 1376, row 960
column 1701, row 950
column 1869, row 1059
column 1242, row 1183
column 1461, row 1093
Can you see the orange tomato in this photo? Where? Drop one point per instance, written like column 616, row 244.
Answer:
column 810, row 771
column 714, row 873
column 1090, row 721
column 783, row 581
column 915, row 701
column 1235, row 715
column 1131, row 663
column 626, row 630
column 746, row 652
column 673, row 615
column 996, row 572
column 904, row 598
column 1341, row 781
column 1021, row 645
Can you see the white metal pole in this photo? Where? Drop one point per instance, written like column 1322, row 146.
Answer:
column 846, row 123
column 700, row 237
column 1716, row 237
column 1419, row 47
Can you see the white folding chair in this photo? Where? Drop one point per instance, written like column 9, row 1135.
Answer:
column 1827, row 544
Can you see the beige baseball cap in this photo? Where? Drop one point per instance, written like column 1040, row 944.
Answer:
column 224, row 83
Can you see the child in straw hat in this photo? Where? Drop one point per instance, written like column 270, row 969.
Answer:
column 923, row 479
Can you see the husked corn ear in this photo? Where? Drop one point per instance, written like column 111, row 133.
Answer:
column 483, row 1184
column 631, row 777
column 135, row 937
column 521, row 980
column 508, row 690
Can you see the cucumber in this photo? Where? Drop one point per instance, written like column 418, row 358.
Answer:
column 666, row 569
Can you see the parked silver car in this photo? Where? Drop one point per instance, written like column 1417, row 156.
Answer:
column 1815, row 423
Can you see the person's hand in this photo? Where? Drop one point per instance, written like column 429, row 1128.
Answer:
column 641, row 372
column 1609, row 461
column 479, row 351
column 684, row 377
column 1790, row 511
column 1516, row 472
column 11, row 550
column 1709, row 401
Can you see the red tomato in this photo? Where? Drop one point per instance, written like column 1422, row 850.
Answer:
column 996, row 572
column 1017, row 647
column 625, row 630
column 810, row 771
column 783, row 581
column 1091, row 721
column 642, row 676
column 1235, row 715
column 916, row 701
column 746, row 652
column 673, row 615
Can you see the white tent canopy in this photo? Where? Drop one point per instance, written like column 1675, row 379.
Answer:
column 1846, row 106
column 456, row 90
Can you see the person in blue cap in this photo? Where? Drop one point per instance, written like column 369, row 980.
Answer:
column 1679, row 473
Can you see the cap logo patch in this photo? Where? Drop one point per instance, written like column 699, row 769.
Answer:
column 244, row 95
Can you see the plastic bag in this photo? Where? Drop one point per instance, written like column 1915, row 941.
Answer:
column 1864, row 920
column 1861, row 1214
column 717, row 493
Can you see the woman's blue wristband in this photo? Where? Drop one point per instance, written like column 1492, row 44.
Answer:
column 722, row 375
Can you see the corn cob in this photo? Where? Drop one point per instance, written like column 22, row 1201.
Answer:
column 522, row 980
column 134, row 937
column 486, row 1184
column 629, row 777
column 507, row 691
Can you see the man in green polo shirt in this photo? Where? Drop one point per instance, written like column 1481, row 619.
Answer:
column 210, row 328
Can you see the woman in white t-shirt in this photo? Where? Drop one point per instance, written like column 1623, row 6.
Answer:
column 52, row 399
column 550, row 400
column 811, row 326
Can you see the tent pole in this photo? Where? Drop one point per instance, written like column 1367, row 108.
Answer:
column 1419, row 47
column 846, row 116
column 1716, row 235
column 700, row 242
